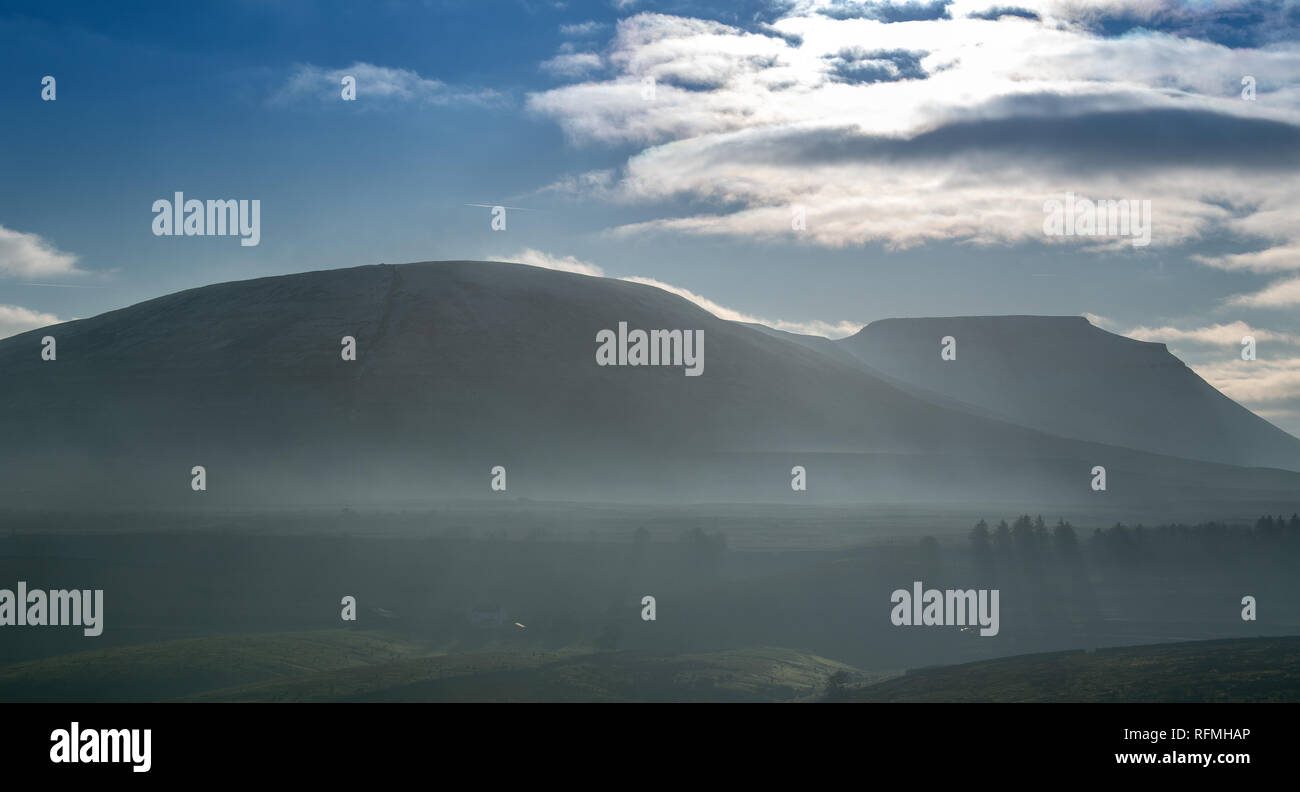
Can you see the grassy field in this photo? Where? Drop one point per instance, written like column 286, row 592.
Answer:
column 354, row 665
column 1237, row 670
column 166, row 669
column 372, row 665
column 763, row 674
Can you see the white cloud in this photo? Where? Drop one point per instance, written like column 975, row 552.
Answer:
column 15, row 319
column 309, row 81
column 26, row 255
column 1253, row 382
column 589, row 184
column 812, row 327
column 1275, row 259
column 582, row 29
column 1279, row 294
column 742, row 125
column 573, row 65
column 1229, row 334
column 537, row 258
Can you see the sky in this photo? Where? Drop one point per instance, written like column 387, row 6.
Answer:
column 808, row 164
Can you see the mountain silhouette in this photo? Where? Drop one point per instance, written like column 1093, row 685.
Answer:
column 1069, row 378
column 463, row 366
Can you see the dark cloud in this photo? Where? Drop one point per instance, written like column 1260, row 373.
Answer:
column 1120, row 141
column 997, row 12
column 1242, row 26
column 749, row 15
column 857, row 65
column 912, row 11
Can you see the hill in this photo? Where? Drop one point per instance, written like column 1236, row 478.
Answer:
column 1064, row 376
column 463, row 366
column 1242, row 670
column 351, row 665
column 153, row 671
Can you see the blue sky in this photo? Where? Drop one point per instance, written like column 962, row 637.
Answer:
column 919, row 140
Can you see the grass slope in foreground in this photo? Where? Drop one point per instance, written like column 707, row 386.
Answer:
column 357, row 665
column 1249, row 669
column 365, row 665
column 760, row 674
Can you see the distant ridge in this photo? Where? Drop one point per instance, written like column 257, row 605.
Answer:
column 1062, row 375
column 464, row 366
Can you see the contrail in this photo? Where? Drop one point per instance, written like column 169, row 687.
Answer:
column 493, row 206
column 62, row 285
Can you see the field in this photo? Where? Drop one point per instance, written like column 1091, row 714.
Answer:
column 363, row 665
column 355, row 665
column 1254, row 669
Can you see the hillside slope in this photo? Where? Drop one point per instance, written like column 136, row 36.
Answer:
column 462, row 366
column 1066, row 377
